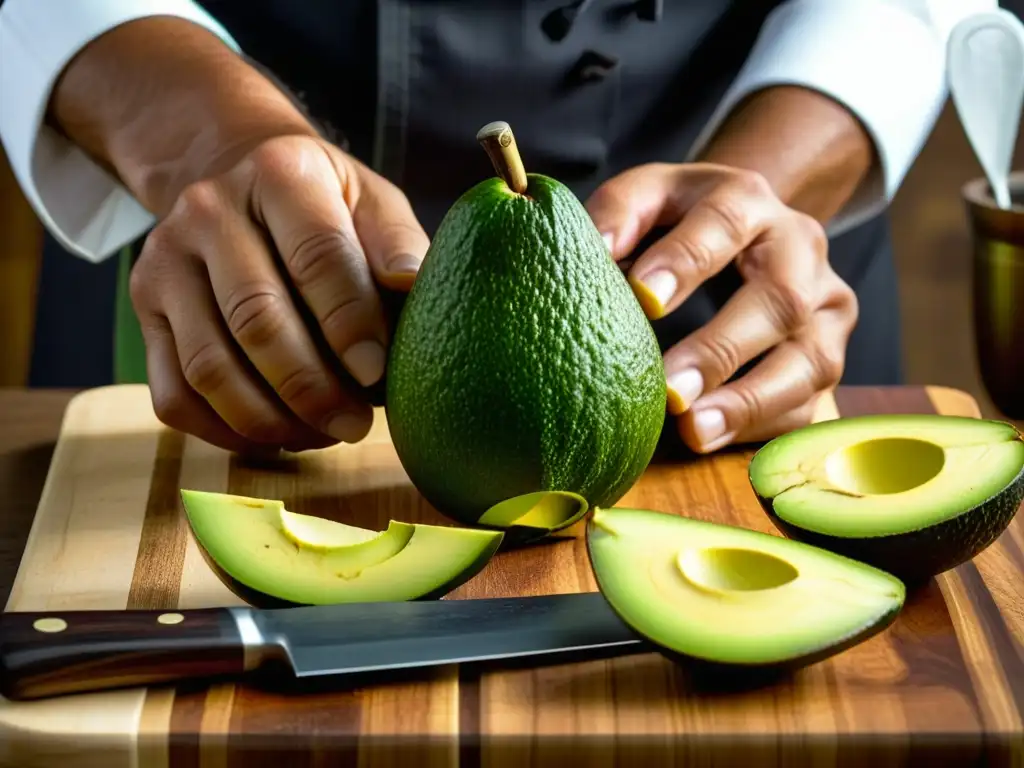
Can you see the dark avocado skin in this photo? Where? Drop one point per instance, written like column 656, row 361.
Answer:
column 522, row 360
column 916, row 556
column 729, row 674
column 258, row 599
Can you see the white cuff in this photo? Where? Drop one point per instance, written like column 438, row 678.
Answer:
column 883, row 60
column 90, row 213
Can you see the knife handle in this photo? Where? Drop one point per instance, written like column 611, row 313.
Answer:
column 47, row 654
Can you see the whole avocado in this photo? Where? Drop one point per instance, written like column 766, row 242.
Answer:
column 522, row 361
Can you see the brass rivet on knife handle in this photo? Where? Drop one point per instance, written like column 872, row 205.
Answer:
column 170, row 618
column 49, row 624
column 500, row 144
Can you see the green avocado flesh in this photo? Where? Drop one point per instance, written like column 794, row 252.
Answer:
column 522, row 361
column 544, row 510
column 309, row 560
column 728, row 595
column 914, row 494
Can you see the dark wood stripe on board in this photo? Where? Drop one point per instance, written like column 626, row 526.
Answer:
column 156, row 579
column 186, row 724
column 1007, row 649
column 470, row 737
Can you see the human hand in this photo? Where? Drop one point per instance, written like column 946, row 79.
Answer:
column 791, row 301
column 221, row 282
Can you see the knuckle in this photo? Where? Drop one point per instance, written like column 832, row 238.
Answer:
column 350, row 315
column 152, row 263
column 255, row 315
column 303, row 390
column 286, row 160
column 733, row 215
column 693, row 256
column 723, row 354
column 318, row 254
column 793, row 305
column 275, row 158
column 752, row 183
column 813, row 233
column 206, row 369
column 201, row 202
column 848, row 301
column 138, row 284
column 829, row 363
column 748, row 407
column 170, row 405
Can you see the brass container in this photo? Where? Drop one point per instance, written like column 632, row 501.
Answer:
column 997, row 244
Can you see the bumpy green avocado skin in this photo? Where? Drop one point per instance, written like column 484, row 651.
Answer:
column 916, row 556
column 522, row 361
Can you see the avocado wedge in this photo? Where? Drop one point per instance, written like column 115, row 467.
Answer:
column 717, row 595
column 269, row 555
column 534, row 516
column 913, row 494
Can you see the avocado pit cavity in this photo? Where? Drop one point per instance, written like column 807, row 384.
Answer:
column 731, row 569
column 884, row 465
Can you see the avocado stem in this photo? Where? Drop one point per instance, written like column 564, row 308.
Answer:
column 500, row 144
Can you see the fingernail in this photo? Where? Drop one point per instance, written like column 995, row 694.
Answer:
column 365, row 360
column 609, row 241
column 404, row 263
column 347, row 428
column 683, row 389
column 708, row 426
column 655, row 291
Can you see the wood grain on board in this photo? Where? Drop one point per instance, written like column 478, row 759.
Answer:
column 943, row 686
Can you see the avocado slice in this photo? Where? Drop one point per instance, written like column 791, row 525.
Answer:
column 713, row 595
column 522, row 360
column 270, row 555
column 534, row 516
column 913, row 494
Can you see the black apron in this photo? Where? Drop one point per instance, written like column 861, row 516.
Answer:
column 590, row 89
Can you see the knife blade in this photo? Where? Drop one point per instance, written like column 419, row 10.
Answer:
column 49, row 654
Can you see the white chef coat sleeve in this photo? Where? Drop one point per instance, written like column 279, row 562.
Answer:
column 89, row 212
column 884, row 60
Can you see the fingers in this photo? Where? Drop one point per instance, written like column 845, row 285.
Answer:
column 175, row 403
column 786, row 380
column 207, row 366
column 717, row 213
column 395, row 242
column 784, row 289
column 710, row 234
column 300, row 199
column 798, row 417
column 256, row 312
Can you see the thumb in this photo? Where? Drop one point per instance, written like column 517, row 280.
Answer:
column 392, row 237
column 625, row 207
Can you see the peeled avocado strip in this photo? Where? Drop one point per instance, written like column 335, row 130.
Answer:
column 544, row 510
column 884, row 475
column 309, row 560
column 730, row 595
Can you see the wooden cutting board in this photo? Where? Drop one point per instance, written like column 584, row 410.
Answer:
column 943, row 686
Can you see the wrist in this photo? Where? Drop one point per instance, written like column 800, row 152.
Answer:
column 812, row 150
column 161, row 102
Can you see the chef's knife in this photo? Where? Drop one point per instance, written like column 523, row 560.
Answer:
column 47, row 654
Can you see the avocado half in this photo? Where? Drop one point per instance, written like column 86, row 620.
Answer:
column 913, row 494
column 717, row 595
column 271, row 556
